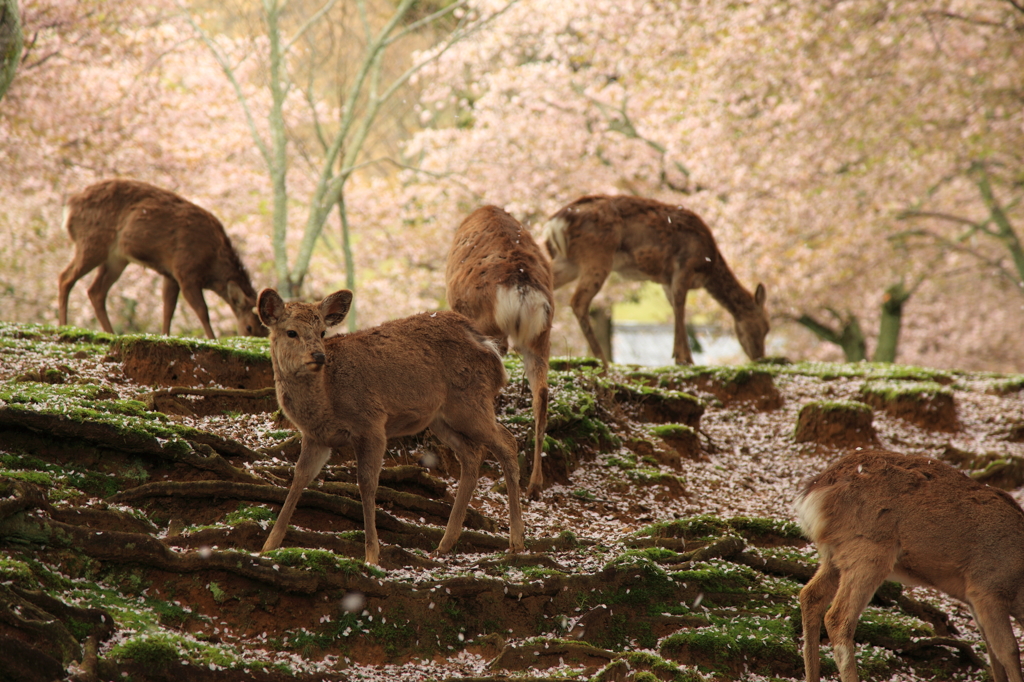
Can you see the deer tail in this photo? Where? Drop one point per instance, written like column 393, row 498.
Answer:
column 522, row 312
column 553, row 236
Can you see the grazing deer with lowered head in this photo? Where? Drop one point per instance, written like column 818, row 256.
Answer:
column 878, row 515
column 500, row 279
column 429, row 370
column 648, row 240
column 117, row 222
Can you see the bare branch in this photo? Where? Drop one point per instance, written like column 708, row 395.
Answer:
column 309, row 23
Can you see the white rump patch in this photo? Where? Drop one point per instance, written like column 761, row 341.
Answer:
column 554, row 234
column 522, row 313
column 808, row 511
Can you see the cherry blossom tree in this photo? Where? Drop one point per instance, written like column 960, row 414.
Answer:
column 106, row 89
column 805, row 133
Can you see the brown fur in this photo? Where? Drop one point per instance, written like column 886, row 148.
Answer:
column 500, row 279
column 648, row 240
column 877, row 515
column 430, row 370
column 116, row 222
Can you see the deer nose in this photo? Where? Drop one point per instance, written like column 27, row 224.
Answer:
column 319, row 358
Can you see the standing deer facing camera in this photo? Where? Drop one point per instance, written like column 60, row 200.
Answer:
column 116, row 222
column 878, row 515
column 429, row 370
column 648, row 240
column 500, row 279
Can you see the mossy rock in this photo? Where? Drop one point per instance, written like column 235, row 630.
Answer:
column 682, row 440
column 1008, row 385
column 165, row 361
column 840, row 423
column 659, row 406
column 924, row 403
column 748, row 386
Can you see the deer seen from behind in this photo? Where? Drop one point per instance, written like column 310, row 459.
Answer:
column 645, row 239
column 500, row 279
column 117, row 222
column 429, row 370
column 879, row 515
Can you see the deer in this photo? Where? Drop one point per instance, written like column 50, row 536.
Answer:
column 360, row 389
column 117, row 222
column 644, row 239
column 876, row 515
column 500, row 279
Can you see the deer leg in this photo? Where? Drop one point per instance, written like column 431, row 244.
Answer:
column 865, row 566
column 105, row 278
column 814, row 600
column 171, row 290
column 369, row 460
column 193, row 294
column 469, row 464
column 590, row 283
column 681, row 285
column 503, row 446
column 71, row 274
column 311, row 460
column 1003, row 651
column 536, row 365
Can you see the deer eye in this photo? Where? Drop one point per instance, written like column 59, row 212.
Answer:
column 248, row 328
column 323, row 334
column 292, row 334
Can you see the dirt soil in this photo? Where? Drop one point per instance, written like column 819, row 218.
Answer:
column 139, row 478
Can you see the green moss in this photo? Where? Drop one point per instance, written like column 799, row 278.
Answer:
column 12, row 570
column 691, row 528
column 1011, row 384
column 753, row 528
column 763, row 643
column 154, row 652
column 242, row 349
column 582, row 494
column 836, row 406
column 867, row 370
column 651, row 476
column 658, row 555
column 673, row 430
column 567, row 364
column 657, row 668
column 320, row 561
column 721, row 577
column 158, row 650
column 246, row 512
column 36, row 477
column 219, row 595
column 894, row 390
column 885, row 626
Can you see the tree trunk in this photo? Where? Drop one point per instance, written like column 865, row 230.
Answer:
column 11, row 43
column 350, row 262
column 892, row 319
column 849, row 337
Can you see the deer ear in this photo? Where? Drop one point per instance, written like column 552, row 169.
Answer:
column 760, row 295
column 269, row 306
column 335, row 307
